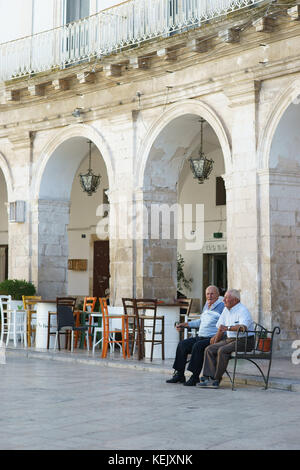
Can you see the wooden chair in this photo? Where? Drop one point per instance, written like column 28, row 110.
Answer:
column 29, row 303
column 109, row 333
column 185, row 310
column 145, row 311
column 88, row 306
column 61, row 302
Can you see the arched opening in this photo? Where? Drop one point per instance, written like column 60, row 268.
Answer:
column 284, row 220
column 68, row 247
column 198, row 231
column 3, row 229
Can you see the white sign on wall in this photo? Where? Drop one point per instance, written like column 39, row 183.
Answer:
column 215, row 247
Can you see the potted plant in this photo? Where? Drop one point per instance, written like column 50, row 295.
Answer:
column 182, row 281
column 16, row 289
column 264, row 342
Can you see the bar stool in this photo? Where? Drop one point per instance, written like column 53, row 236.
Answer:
column 145, row 312
column 109, row 332
column 17, row 326
column 28, row 303
column 4, row 306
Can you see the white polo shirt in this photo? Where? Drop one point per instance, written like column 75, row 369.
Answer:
column 237, row 315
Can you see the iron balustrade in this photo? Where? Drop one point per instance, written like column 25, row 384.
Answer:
column 123, row 26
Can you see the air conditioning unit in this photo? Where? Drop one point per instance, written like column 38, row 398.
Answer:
column 17, row 212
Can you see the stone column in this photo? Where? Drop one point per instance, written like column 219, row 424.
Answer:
column 242, row 197
column 19, row 234
column 121, row 246
column 50, row 220
column 284, row 258
column 156, row 250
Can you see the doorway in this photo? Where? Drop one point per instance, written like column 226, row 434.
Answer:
column 101, row 268
column 215, row 272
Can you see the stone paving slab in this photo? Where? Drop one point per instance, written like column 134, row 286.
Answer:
column 284, row 374
column 65, row 405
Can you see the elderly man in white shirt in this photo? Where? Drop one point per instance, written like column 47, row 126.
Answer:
column 234, row 317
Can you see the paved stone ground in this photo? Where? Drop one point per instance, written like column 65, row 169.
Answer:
column 47, row 405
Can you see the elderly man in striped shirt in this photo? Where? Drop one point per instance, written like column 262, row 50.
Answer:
column 195, row 346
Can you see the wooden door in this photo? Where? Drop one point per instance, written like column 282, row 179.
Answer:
column 101, row 268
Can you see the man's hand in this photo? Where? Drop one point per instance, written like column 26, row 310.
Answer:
column 222, row 328
column 213, row 339
column 180, row 326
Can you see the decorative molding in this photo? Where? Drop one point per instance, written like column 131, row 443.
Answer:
column 294, row 13
column 142, row 63
column 243, row 93
column 60, row 85
column 198, row 45
column 231, row 35
column 266, row 24
column 113, row 70
column 167, row 54
column 36, row 90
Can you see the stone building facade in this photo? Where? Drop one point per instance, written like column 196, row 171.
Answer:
column 140, row 105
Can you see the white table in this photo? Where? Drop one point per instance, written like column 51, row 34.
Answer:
column 171, row 312
column 42, row 308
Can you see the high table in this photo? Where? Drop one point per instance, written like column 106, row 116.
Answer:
column 42, row 308
column 171, row 312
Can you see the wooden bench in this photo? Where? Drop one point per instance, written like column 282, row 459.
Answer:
column 263, row 349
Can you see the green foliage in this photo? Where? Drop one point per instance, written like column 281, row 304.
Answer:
column 182, row 281
column 16, row 288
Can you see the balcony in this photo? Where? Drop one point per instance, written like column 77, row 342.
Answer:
column 125, row 26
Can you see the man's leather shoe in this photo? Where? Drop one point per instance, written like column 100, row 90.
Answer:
column 192, row 381
column 176, row 379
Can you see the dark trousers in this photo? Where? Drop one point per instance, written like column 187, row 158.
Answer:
column 218, row 355
column 194, row 346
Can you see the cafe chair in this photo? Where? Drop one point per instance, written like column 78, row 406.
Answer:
column 28, row 303
column 17, row 326
column 109, row 332
column 4, row 306
column 81, row 317
column 185, row 310
column 66, row 322
column 147, row 327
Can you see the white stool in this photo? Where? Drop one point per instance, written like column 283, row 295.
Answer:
column 4, row 306
column 17, row 326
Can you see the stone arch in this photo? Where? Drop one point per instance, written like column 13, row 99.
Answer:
column 51, row 210
column 170, row 140
column 278, row 110
column 188, row 107
column 78, row 130
column 5, row 167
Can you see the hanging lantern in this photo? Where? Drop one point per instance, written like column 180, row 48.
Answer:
column 89, row 182
column 201, row 166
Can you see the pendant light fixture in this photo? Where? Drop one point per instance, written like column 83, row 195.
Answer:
column 89, row 181
column 201, row 166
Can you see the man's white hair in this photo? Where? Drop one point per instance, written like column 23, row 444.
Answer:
column 234, row 293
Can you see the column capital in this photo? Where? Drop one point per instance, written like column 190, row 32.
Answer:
column 243, row 93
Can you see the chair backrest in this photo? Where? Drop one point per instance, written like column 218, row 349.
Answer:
column 89, row 304
column 65, row 312
column 185, row 306
column 5, row 301
column 104, row 311
column 29, row 301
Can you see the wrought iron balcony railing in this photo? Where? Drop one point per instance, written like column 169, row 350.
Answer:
column 124, row 26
